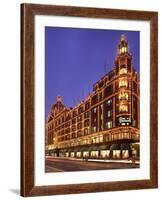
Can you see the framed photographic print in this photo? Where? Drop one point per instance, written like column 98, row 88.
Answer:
column 88, row 99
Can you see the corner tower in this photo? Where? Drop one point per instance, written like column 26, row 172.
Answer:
column 123, row 60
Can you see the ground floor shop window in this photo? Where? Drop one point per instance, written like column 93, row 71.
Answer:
column 94, row 154
column 85, row 154
column 134, row 153
column 125, row 154
column 116, row 153
column 105, row 153
column 67, row 154
column 72, row 154
column 78, row 154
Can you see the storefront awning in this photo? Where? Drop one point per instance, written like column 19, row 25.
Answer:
column 125, row 146
column 52, row 150
column 115, row 147
column 93, row 148
column 63, row 150
column 84, row 148
column 104, row 147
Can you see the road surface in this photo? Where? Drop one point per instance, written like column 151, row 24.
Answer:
column 64, row 164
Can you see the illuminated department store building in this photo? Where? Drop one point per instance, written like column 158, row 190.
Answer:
column 104, row 125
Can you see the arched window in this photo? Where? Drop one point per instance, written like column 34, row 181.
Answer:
column 123, row 83
column 123, row 108
column 123, row 71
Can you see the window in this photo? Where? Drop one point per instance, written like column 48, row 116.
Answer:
column 73, row 121
column 123, row 83
column 94, row 153
column 123, row 108
column 79, row 125
column 78, row 154
column 108, row 90
column 123, row 50
column 123, row 96
column 86, row 123
column 123, row 71
column 109, row 124
column 94, row 99
column 86, row 114
column 74, row 113
column 109, row 113
column 94, row 129
column 101, row 138
column 105, row 153
column 95, row 110
column 97, row 139
column 79, row 118
column 87, row 105
column 109, row 102
column 80, row 110
column 116, row 153
column 85, row 154
column 79, row 134
column 86, row 131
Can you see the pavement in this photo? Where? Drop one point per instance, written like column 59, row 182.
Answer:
column 54, row 164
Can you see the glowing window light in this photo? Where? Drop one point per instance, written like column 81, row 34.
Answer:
column 123, row 108
column 123, row 50
column 123, row 96
column 123, row 83
column 123, row 71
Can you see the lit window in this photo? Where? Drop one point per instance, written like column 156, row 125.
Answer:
column 85, row 154
column 101, row 138
column 95, row 110
column 116, row 153
column 86, row 131
column 78, row 154
column 97, row 139
column 123, row 71
column 109, row 102
column 109, row 124
column 125, row 153
column 123, row 50
column 94, row 129
column 109, row 113
column 123, row 108
column 94, row 153
column 105, row 153
column 123, row 96
column 123, row 83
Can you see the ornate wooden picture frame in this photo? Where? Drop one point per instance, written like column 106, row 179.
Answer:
column 28, row 92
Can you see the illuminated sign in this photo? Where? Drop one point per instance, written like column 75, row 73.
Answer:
column 124, row 120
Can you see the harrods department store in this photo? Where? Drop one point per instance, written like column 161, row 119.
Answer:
column 104, row 125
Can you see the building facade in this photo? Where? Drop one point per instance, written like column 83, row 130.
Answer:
column 106, row 124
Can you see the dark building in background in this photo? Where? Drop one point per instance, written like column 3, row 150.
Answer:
column 106, row 123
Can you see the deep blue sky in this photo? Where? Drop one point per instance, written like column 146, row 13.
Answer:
column 75, row 60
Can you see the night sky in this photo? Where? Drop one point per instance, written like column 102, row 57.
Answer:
column 75, row 59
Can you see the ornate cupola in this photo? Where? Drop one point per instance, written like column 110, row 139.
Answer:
column 123, row 45
column 123, row 60
column 58, row 106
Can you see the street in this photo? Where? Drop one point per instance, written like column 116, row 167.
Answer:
column 65, row 164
